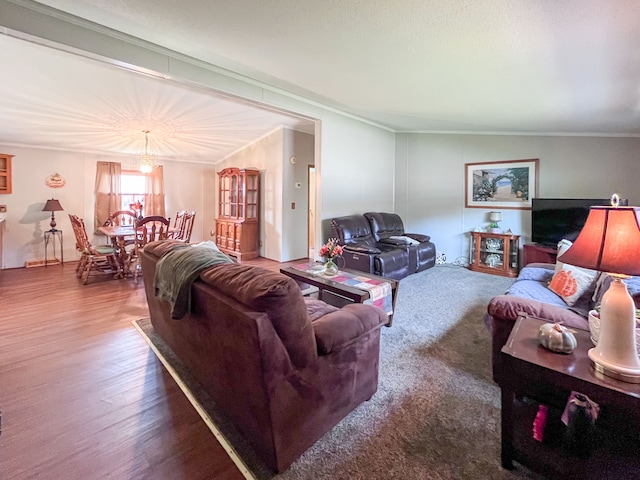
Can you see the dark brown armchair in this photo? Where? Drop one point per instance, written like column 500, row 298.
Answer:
column 284, row 369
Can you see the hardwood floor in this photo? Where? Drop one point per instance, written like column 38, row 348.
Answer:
column 82, row 395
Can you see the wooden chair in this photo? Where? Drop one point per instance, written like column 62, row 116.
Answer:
column 183, row 225
column 149, row 229
column 94, row 260
column 121, row 217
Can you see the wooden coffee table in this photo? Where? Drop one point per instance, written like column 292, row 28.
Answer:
column 336, row 293
column 532, row 375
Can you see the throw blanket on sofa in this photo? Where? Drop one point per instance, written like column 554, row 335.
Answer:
column 176, row 272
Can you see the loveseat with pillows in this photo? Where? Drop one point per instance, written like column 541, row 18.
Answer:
column 559, row 293
column 283, row 368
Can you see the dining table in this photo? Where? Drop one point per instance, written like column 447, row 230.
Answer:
column 120, row 236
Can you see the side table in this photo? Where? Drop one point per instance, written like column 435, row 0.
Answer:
column 532, row 375
column 50, row 237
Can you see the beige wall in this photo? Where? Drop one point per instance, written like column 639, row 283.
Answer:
column 430, row 178
column 356, row 169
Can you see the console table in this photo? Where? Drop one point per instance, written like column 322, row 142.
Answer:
column 532, row 375
column 50, row 237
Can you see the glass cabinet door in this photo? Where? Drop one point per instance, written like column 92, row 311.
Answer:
column 495, row 253
column 225, row 199
column 252, row 196
column 491, row 252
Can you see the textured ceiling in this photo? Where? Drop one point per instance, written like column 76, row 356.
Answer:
column 486, row 66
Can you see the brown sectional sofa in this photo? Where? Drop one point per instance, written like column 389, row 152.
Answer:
column 284, row 369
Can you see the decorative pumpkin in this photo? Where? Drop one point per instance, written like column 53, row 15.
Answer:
column 557, row 338
column 564, row 283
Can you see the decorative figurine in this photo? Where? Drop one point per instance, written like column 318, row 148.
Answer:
column 557, row 338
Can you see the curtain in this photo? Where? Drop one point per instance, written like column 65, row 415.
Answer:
column 154, row 196
column 108, row 198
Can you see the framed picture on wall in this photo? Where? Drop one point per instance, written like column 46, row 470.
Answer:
column 504, row 184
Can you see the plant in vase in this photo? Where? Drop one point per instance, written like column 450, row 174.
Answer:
column 330, row 251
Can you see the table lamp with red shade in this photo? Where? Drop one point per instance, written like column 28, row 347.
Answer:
column 610, row 242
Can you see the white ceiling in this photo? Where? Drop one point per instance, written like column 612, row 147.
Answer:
column 58, row 100
column 485, row 66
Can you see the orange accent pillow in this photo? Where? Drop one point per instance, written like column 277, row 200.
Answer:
column 571, row 283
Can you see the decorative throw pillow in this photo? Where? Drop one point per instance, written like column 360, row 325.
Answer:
column 571, row 283
column 563, row 246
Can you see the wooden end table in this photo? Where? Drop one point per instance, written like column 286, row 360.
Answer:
column 336, row 293
column 532, row 375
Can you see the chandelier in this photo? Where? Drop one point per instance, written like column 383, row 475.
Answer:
column 146, row 161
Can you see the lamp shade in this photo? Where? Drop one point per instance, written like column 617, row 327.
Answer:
column 495, row 216
column 52, row 206
column 609, row 241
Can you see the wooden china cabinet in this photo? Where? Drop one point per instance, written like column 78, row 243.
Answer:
column 237, row 226
column 495, row 253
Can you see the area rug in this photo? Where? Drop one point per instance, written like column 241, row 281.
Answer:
column 436, row 414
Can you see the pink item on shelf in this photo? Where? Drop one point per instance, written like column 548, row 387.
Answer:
column 539, row 423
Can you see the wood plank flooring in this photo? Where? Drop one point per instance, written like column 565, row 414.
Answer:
column 82, row 395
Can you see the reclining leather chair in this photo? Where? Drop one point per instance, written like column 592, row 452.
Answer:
column 363, row 252
column 388, row 228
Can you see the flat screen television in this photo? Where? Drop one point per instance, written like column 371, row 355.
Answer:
column 553, row 219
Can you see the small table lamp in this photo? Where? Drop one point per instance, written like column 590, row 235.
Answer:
column 53, row 206
column 494, row 218
column 610, row 242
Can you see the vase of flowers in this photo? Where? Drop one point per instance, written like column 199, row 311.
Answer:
column 330, row 251
column 136, row 208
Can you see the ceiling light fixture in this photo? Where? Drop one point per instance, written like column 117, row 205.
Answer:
column 146, row 161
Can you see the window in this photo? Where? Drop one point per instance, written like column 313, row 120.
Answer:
column 133, row 188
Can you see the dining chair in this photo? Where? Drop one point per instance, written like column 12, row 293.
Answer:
column 94, row 259
column 121, row 217
column 182, row 226
column 149, row 229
